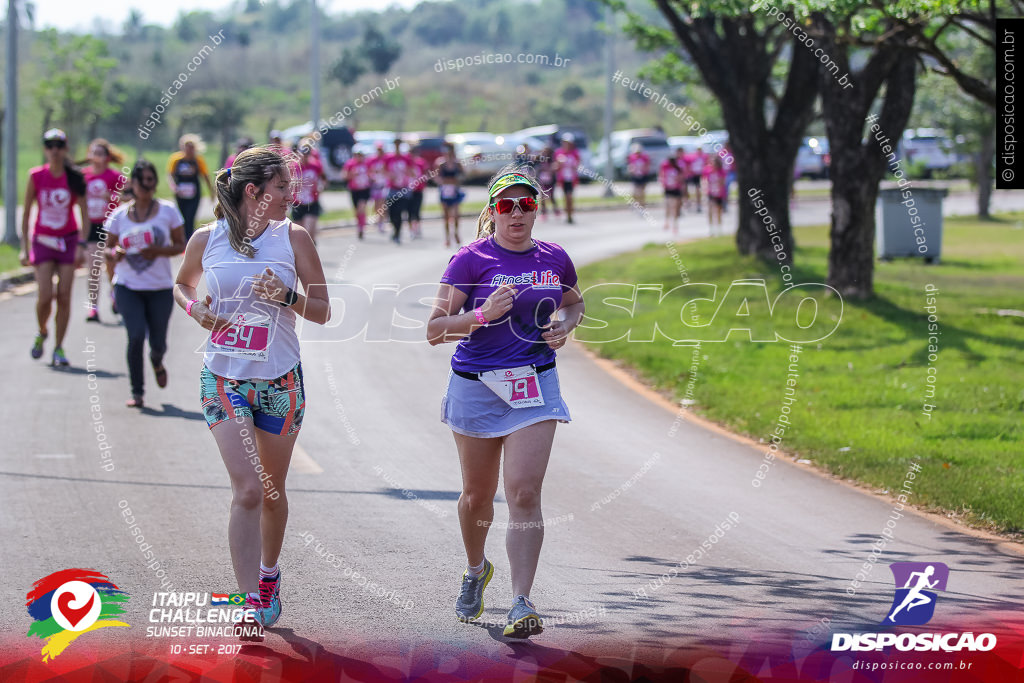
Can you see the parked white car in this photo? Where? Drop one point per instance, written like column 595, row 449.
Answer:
column 930, row 145
column 482, row 154
column 367, row 140
column 552, row 134
column 653, row 142
column 690, row 143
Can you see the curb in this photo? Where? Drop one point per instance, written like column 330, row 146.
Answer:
column 13, row 278
column 630, row 378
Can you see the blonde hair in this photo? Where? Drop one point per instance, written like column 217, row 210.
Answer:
column 196, row 141
column 485, row 223
column 256, row 165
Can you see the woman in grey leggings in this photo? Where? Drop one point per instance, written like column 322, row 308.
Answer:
column 144, row 234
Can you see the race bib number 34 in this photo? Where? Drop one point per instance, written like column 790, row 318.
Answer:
column 518, row 387
column 243, row 340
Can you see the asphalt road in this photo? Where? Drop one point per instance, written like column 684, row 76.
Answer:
column 376, row 477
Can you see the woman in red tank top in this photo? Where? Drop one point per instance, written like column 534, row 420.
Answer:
column 56, row 243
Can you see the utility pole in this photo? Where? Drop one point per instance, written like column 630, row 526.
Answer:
column 314, row 64
column 11, row 126
column 609, row 58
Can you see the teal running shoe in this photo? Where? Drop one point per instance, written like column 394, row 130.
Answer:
column 250, row 628
column 270, row 599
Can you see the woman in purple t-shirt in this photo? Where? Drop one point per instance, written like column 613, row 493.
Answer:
column 498, row 296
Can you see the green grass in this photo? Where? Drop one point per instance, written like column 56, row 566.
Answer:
column 862, row 388
column 9, row 258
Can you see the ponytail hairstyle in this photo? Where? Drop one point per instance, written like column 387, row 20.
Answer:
column 113, row 153
column 76, row 179
column 256, row 165
column 485, row 223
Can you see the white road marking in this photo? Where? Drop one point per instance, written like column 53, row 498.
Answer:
column 54, row 456
column 303, row 462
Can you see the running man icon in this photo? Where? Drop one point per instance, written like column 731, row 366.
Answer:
column 915, row 578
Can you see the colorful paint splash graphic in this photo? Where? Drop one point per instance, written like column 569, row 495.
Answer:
column 70, row 603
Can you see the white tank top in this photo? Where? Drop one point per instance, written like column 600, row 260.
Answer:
column 263, row 344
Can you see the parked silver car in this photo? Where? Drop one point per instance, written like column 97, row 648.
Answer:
column 930, row 145
column 367, row 141
column 653, row 142
column 551, row 134
column 482, row 154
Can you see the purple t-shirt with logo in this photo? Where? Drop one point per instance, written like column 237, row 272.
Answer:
column 540, row 274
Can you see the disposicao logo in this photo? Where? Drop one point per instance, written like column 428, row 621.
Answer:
column 913, row 605
column 72, row 602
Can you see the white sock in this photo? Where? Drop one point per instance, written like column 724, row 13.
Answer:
column 477, row 570
column 267, row 572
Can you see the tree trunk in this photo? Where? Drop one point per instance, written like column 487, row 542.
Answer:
column 983, row 171
column 735, row 61
column 851, row 257
column 858, row 167
column 762, row 176
column 3, row 113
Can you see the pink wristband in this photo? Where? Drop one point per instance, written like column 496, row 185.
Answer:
column 479, row 316
column 188, row 306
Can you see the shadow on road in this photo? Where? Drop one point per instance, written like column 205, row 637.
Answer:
column 426, row 494
column 102, row 374
column 728, row 600
column 169, row 410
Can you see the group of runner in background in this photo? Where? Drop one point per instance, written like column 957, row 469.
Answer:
column 555, row 169
column 393, row 180
column 686, row 178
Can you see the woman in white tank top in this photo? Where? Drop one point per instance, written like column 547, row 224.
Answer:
column 251, row 383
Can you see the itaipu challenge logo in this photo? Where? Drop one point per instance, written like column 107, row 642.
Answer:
column 70, row 603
